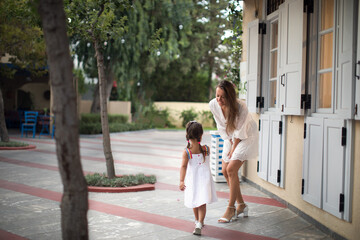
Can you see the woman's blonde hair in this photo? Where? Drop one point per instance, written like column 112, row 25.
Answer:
column 232, row 103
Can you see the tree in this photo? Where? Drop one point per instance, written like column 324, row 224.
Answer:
column 74, row 203
column 96, row 21
column 22, row 39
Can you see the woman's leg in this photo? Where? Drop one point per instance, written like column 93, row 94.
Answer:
column 224, row 171
column 234, row 186
column 202, row 213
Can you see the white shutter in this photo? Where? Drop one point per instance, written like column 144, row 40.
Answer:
column 357, row 80
column 344, row 84
column 253, row 65
column 292, row 47
column 274, row 149
column 264, row 146
column 312, row 162
column 334, row 162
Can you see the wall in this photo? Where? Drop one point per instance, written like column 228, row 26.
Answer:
column 37, row 94
column 114, row 107
column 175, row 109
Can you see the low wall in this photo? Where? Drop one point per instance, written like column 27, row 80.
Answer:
column 114, row 107
column 175, row 109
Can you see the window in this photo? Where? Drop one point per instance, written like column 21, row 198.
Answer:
column 273, row 5
column 326, row 48
column 273, row 66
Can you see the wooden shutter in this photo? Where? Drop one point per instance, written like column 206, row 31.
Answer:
column 275, row 146
column 357, row 79
column 345, row 67
column 253, row 65
column 292, row 49
column 334, row 162
column 264, row 146
column 313, row 160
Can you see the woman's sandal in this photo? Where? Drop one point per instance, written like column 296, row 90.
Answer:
column 232, row 218
column 245, row 210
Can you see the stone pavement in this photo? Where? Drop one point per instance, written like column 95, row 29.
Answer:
column 31, row 188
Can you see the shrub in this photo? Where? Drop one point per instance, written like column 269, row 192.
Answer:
column 155, row 118
column 207, row 116
column 188, row 115
column 100, row 180
column 95, row 118
column 91, row 124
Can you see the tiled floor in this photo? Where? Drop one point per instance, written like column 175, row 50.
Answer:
column 30, row 193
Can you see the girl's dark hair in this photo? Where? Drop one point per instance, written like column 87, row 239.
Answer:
column 232, row 103
column 194, row 130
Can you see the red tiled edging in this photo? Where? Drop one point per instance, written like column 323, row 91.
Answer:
column 18, row 148
column 138, row 188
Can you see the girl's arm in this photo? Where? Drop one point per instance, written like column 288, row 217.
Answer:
column 183, row 170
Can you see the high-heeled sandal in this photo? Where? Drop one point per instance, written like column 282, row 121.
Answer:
column 232, row 218
column 245, row 210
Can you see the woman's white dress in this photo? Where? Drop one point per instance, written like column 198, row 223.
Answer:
column 200, row 187
column 246, row 130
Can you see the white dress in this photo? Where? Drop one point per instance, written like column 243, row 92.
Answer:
column 200, row 188
column 246, row 130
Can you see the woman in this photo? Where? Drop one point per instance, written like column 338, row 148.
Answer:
column 240, row 134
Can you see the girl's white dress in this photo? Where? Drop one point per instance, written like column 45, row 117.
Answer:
column 246, row 130
column 200, row 188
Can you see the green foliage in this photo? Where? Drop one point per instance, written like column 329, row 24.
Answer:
column 207, row 116
column 155, row 118
column 90, row 123
column 188, row 115
column 95, row 118
column 101, row 180
column 21, row 37
column 234, row 42
column 13, row 144
column 79, row 74
column 95, row 128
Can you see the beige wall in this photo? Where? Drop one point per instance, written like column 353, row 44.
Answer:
column 291, row 192
column 37, row 94
column 175, row 109
column 114, row 107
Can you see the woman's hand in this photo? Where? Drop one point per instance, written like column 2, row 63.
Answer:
column 182, row 186
column 233, row 146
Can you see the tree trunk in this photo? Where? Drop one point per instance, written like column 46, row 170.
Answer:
column 95, row 106
column 104, row 115
column 3, row 130
column 74, row 203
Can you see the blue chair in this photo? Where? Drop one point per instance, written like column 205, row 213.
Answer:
column 30, row 123
column 45, row 123
column 53, row 128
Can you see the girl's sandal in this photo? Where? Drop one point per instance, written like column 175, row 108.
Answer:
column 232, row 218
column 245, row 210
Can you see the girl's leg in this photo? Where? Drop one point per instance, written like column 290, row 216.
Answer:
column 234, row 186
column 202, row 213
column 196, row 213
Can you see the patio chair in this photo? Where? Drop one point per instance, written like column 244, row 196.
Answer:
column 53, row 128
column 30, row 123
column 45, row 123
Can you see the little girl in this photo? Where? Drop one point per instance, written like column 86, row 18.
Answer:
column 198, row 187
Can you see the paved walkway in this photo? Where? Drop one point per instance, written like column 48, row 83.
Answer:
column 31, row 188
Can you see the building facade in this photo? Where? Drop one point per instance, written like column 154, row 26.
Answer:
column 302, row 64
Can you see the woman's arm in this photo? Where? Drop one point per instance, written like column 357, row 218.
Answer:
column 183, row 168
column 233, row 146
